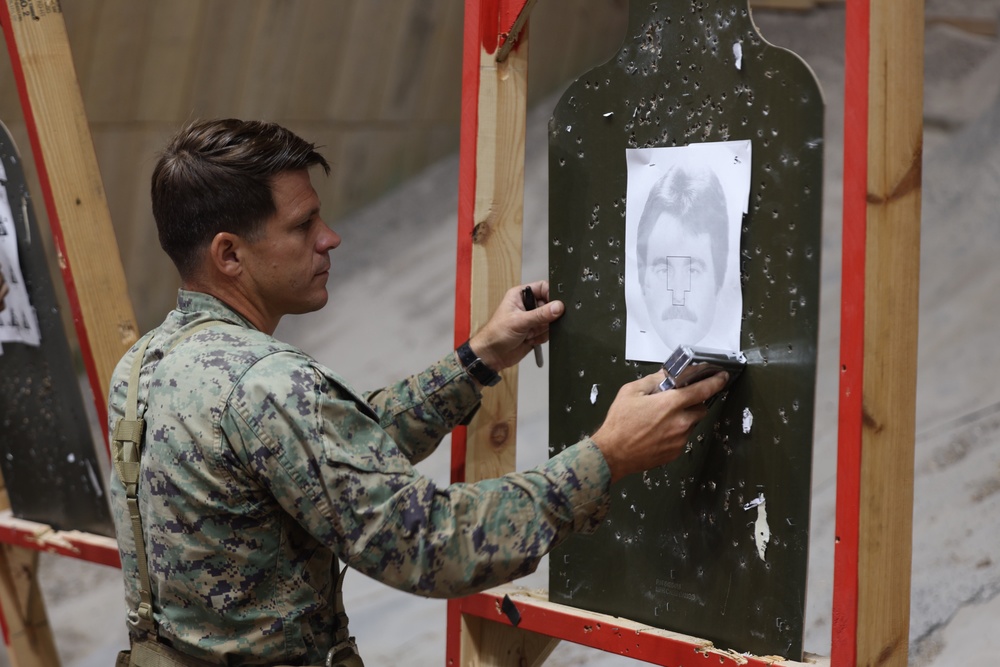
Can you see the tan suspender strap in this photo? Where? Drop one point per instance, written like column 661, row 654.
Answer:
column 126, row 445
column 342, row 631
column 344, row 652
column 126, row 450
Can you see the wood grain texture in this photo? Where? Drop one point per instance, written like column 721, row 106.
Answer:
column 612, row 634
column 496, row 245
column 892, row 269
column 494, row 119
column 73, row 190
column 29, row 637
column 494, row 644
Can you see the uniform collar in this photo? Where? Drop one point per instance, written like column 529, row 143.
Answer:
column 196, row 306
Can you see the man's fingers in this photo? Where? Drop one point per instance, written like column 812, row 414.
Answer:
column 550, row 312
column 647, row 384
column 540, row 289
column 701, row 391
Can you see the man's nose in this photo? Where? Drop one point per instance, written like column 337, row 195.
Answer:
column 329, row 239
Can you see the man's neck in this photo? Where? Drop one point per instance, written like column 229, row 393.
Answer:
column 237, row 300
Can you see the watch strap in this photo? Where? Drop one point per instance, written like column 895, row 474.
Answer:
column 476, row 367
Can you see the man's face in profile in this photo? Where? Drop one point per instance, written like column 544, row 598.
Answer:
column 679, row 285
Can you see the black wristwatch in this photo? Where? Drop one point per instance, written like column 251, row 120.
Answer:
column 476, row 367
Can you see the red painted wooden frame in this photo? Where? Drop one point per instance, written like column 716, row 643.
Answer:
column 475, row 11
column 852, row 321
column 86, row 350
column 40, row 537
column 608, row 633
column 482, row 21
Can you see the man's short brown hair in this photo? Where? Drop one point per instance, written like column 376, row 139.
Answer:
column 215, row 176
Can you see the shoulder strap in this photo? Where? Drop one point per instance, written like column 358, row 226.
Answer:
column 344, row 652
column 126, row 450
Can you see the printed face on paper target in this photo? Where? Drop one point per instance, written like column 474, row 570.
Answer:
column 679, row 284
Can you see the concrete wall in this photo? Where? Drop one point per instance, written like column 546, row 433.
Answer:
column 375, row 82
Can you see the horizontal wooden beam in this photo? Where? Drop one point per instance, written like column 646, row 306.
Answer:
column 612, row 634
column 976, row 25
column 72, row 543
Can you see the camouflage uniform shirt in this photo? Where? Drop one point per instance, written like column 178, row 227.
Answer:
column 261, row 468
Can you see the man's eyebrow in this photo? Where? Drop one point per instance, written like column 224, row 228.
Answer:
column 310, row 214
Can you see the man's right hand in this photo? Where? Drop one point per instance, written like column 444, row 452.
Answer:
column 646, row 428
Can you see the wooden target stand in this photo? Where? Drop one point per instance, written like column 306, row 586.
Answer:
column 91, row 267
column 881, row 230
column 883, row 130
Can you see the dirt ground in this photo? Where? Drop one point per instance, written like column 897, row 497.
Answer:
column 379, row 327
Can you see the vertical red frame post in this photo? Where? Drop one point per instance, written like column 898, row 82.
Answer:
column 71, row 189
column 852, row 325
column 492, row 134
column 879, row 314
column 91, row 268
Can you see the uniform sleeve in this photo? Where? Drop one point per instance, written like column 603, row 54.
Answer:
column 420, row 410
column 331, row 465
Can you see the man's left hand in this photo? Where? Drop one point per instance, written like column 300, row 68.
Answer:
column 512, row 331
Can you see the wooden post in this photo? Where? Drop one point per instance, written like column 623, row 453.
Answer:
column 491, row 207
column 496, row 245
column 490, row 216
column 71, row 187
column 43, row 69
column 881, row 262
column 488, row 643
column 29, row 638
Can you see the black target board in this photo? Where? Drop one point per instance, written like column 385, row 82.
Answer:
column 714, row 544
column 48, row 453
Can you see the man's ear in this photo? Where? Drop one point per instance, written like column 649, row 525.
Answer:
column 226, row 254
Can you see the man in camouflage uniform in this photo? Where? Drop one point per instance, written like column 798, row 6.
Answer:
column 261, row 469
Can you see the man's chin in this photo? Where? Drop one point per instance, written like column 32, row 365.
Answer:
column 313, row 304
column 321, row 302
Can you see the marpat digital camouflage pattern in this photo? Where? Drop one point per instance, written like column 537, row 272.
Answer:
column 261, row 467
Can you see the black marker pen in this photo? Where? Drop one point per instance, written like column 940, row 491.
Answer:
column 528, row 298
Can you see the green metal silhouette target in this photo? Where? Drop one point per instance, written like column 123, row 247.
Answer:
column 716, row 543
column 48, row 453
